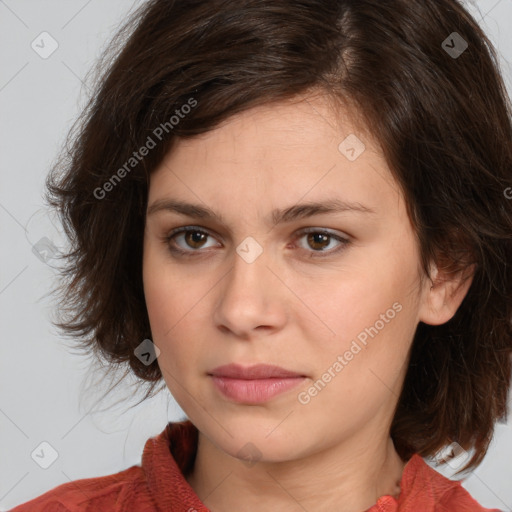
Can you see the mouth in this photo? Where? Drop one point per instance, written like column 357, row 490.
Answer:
column 254, row 384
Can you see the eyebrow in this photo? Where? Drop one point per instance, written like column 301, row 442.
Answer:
column 278, row 216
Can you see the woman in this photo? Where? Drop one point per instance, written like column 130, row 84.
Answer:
column 295, row 214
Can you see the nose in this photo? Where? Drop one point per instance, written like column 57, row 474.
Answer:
column 251, row 298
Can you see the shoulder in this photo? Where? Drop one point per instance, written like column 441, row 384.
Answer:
column 423, row 486
column 117, row 492
column 458, row 499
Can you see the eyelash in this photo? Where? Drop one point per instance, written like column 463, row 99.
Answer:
column 168, row 239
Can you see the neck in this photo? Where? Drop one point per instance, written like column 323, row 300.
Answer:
column 339, row 478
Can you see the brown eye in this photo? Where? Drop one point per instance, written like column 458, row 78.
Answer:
column 195, row 239
column 318, row 241
column 321, row 243
column 188, row 241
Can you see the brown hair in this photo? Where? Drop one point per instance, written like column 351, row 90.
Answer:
column 443, row 122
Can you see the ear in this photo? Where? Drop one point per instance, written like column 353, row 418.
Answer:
column 444, row 293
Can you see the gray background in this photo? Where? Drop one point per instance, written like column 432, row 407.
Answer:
column 48, row 391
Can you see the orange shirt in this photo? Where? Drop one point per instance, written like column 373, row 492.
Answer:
column 158, row 485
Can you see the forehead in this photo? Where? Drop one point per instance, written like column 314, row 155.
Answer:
column 275, row 154
column 277, row 127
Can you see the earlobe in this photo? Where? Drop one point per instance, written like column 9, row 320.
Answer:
column 444, row 293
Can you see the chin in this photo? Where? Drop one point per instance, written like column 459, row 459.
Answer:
column 254, row 444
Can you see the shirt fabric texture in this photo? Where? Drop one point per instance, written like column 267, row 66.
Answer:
column 159, row 485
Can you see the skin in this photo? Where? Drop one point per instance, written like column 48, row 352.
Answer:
column 288, row 308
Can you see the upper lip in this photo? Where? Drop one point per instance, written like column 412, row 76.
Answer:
column 257, row 371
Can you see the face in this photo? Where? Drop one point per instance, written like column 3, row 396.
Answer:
column 332, row 296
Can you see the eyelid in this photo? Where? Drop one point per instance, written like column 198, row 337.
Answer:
column 325, row 231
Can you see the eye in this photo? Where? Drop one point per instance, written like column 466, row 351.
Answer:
column 191, row 238
column 187, row 241
column 320, row 239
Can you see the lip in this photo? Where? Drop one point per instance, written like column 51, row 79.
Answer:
column 257, row 371
column 254, row 384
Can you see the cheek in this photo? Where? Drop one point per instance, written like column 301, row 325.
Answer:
column 175, row 303
column 368, row 314
column 361, row 369
column 157, row 296
column 167, row 312
column 346, row 303
column 167, row 290
column 164, row 304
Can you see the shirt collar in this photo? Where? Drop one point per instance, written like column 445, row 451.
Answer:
column 170, row 456
column 166, row 460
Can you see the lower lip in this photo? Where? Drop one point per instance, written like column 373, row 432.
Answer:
column 256, row 390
